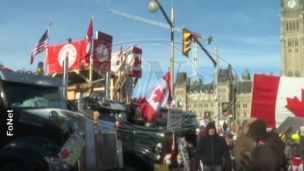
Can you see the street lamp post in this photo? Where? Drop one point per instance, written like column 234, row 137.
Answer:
column 154, row 5
column 216, row 86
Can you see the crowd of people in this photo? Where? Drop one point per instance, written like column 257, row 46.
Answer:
column 255, row 149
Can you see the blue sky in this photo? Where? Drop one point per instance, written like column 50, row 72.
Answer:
column 247, row 33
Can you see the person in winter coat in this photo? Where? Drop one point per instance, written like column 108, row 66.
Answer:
column 244, row 142
column 268, row 155
column 212, row 149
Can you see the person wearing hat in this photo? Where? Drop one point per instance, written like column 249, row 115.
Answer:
column 212, row 149
column 268, row 154
column 244, row 142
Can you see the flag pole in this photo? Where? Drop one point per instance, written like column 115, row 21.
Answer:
column 91, row 53
column 46, row 51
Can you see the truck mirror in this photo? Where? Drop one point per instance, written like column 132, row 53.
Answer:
column 96, row 116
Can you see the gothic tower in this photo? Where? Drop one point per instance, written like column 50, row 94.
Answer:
column 292, row 38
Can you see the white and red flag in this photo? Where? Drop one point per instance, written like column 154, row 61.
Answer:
column 135, row 58
column 157, row 97
column 116, row 60
column 276, row 98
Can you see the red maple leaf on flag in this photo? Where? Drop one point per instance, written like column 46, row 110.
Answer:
column 158, row 94
column 296, row 106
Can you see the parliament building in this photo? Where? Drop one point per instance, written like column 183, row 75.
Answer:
column 235, row 93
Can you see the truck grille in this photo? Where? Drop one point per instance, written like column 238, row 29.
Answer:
column 107, row 153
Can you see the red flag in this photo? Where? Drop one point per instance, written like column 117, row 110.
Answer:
column 157, row 97
column 89, row 40
column 90, row 31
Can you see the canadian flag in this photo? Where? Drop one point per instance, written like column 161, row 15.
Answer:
column 296, row 163
column 116, row 60
column 135, row 57
column 156, row 98
column 276, row 98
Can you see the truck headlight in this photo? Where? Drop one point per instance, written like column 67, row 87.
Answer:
column 54, row 116
column 57, row 164
column 197, row 130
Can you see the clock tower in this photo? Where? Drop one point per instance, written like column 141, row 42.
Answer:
column 292, row 38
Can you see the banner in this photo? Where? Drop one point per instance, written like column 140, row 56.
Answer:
column 78, row 59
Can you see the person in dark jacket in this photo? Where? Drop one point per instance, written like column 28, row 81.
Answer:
column 268, row 154
column 211, row 150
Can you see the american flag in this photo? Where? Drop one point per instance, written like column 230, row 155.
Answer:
column 41, row 45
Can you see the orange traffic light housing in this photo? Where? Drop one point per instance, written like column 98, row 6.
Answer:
column 186, row 42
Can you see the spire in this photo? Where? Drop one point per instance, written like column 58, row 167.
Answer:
column 246, row 75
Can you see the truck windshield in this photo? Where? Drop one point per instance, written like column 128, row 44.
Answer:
column 25, row 95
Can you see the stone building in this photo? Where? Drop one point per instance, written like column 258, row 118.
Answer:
column 234, row 95
column 292, row 38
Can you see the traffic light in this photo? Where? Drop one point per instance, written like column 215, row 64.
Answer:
column 187, row 36
column 209, row 40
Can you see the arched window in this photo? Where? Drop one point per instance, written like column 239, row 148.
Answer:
column 289, row 74
column 296, row 42
column 297, row 74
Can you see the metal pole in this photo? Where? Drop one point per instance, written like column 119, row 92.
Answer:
column 107, row 88
column 172, row 51
column 216, row 105
column 65, row 76
column 91, row 68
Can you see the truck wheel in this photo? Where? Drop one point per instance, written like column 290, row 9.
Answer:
column 16, row 166
column 11, row 160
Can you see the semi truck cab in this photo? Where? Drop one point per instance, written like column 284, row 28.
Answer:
column 35, row 123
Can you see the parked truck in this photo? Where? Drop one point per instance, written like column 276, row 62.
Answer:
column 35, row 124
column 141, row 141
